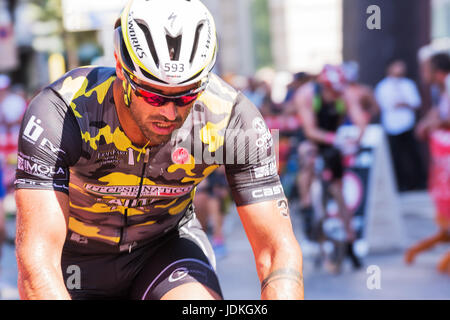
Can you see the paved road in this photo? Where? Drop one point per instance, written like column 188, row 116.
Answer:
column 239, row 281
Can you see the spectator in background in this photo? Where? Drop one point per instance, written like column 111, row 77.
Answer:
column 364, row 93
column 435, row 127
column 399, row 98
column 255, row 92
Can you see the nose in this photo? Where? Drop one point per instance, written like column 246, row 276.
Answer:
column 169, row 111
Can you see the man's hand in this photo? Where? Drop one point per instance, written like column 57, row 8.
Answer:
column 277, row 253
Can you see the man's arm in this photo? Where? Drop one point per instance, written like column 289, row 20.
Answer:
column 411, row 96
column 42, row 218
column 277, row 253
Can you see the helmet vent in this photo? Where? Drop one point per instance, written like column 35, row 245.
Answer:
column 149, row 39
column 197, row 37
column 174, row 45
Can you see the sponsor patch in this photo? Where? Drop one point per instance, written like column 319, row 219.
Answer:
column 259, row 125
column 33, row 130
column 267, row 192
column 132, row 191
column 178, row 274
column 180, row 156
column 267, row 169
column 34, row 167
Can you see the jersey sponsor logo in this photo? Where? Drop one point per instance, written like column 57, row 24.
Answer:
column 265, row 141
column 115, row 157
column 178, row 274
column 267, row 192
column 181, row 156
column 129, row 203
column 259, row 125
column 33, row 167
column 33, row 130
column 133, row 191
column 46, row 144
column 27, row 182
column 266, row 170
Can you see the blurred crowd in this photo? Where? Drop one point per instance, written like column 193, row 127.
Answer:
column 416, row 127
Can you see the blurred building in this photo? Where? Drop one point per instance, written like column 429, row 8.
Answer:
column 234, row 29
column 404, row 28
column 306, row 34
column 298, row 35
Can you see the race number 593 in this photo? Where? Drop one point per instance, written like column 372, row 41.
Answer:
column 174, row 67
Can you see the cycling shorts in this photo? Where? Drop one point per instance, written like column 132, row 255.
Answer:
column 333, row 168
column 145, row 273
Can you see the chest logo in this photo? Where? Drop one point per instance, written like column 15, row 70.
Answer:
column 180, row 156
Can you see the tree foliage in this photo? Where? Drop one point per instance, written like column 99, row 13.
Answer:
column 261, row 33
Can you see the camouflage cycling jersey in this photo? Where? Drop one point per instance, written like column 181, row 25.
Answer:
column 120, row 194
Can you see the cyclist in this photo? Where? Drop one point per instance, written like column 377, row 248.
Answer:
column 323, row 106
column 109, row 160
column 365, row 93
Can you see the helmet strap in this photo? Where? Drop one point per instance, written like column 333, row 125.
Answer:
column 126, row 93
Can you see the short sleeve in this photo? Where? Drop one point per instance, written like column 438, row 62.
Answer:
column 250, row 162
column 49, row 143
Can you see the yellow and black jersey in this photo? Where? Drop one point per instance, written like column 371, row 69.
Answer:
column 71, row 141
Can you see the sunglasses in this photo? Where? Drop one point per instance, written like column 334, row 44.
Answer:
column 157, row 99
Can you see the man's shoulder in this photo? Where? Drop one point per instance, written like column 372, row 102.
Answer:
column 219, row 98
column 80, row 80
column 221, row 88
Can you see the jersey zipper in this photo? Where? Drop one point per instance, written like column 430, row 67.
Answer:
column 146, row 160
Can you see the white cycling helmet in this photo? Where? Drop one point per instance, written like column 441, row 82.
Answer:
column 166, row 42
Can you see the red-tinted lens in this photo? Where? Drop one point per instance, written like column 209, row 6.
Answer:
column 185, row 100
column 158, row 101
column 152, row 99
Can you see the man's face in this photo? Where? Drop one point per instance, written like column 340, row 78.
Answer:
column 158, row 123
column 438, row 77
column 397, row 69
